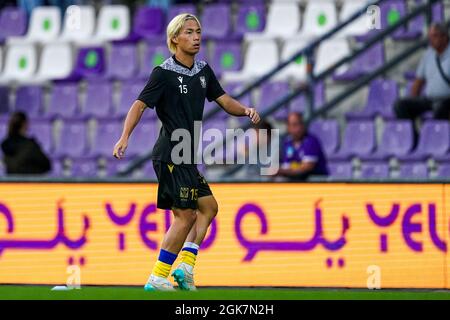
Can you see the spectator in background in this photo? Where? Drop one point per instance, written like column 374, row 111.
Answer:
column 22, row 155
column 301, row 152
column 433, row 74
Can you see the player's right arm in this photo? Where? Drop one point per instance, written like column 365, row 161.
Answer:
column 132, row 119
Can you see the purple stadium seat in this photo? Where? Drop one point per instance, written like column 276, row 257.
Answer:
column 42, row 130
column 98, row 101
column 271, row 92
column 128, row 94
column 374, row 170
column 13, row 22
column 143, row 138
column 148, row 22
column 364, row 64
column 340, row 170
column 396, row 141
column 381, row 99
column 148, row 171
column 57, row 168
column 90, row 63
column 5, row 106
column 84, row 167
column 123, row 61
column 443, row 170
column 299, row 103
column 226, row 57
column 233, row 88
column 3, row 127
column 73, row 140
column 251, row 17
column 113, row 166
column 107, row 134
column 154, row 54
column 29, row 99
column 216, row 21
column 327, row 131
column 358, row 140
column 434, row 141
column 177, row 9
column 414, row 170
column 64, row 100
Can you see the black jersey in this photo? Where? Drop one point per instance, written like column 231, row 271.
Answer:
column 178, row 93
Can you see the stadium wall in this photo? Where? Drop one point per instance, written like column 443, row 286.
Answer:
column 284, row 234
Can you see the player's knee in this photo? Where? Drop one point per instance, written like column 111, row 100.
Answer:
column 190, row 217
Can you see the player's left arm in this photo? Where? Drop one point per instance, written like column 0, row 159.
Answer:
column 235, row 108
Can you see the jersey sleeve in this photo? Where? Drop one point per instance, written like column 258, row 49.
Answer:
column 154, row 89
column 311, row 150
column 214, row 89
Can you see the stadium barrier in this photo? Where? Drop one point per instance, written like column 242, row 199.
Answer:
column 285, row 234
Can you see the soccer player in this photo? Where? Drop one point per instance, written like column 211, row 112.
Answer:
column 177, row 89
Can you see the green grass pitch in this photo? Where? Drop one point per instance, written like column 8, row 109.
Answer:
column 137, row 293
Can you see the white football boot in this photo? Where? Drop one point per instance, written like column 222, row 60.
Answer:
column 156, row 283
column 184, row 276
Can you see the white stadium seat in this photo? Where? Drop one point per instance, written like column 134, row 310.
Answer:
column 358, row 26
column 320, row 17
column 283, row 20
column 297, row 69
column 261, row 57
column 45, row 26
column 20, row 63
column 330, row 52
column 56, row 62
column 113, row 23
column 79, row 23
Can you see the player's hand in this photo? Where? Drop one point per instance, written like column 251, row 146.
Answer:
column 252, row 114
column 119, row 148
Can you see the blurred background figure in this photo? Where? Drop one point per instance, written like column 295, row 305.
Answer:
column 433, row 75
column 301, row 152
column 23, row 155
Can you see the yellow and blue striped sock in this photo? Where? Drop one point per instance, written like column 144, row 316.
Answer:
column 164, row 264
column 189, row 253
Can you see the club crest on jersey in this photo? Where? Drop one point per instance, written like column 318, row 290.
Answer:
column 180, row 78
column 203, row 82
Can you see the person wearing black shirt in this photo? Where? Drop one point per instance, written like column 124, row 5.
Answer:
column 177, row 90
column 23, row 155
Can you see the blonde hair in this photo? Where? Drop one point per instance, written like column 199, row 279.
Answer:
column 174, row 27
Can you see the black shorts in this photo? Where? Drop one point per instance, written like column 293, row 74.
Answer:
column 179, row 186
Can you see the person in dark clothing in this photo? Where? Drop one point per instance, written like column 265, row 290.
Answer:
column 23, row 155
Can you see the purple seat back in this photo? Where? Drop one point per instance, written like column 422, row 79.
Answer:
column 73, row 139
column 13, row 22
column 143, row 138
column 128, row 94
column 98, row 101
column 148, row 21
column 177, row 9
column 234, row 88
column 5, row 106
column 327, row 131
column 107, row 134
column 84, row 168
column 43, row 133
column 359, row 138
column 375, row 170
column 216, row 21
column 29, row 100
column 397, row 138
column 369, row 60
column 391, row 12
column 250, row 18
column 340, row 170
column 226, row 57
column 444, row 170
column 3, row 128
column 123, row 62
column 154, row 54
column 414, row 170
column 382, row 96
column 271, row 92
column 434, row 138
column 64, row 100
column 90, row 62
column 299, row 103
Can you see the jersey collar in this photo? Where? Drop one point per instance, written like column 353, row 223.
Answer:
column 183, row 65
